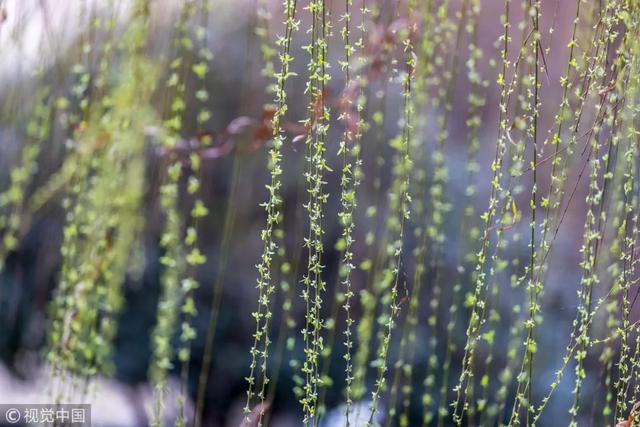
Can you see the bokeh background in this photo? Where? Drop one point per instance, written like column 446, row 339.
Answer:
column 47, row 34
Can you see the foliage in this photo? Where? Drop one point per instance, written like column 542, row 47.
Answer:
column 416, row 232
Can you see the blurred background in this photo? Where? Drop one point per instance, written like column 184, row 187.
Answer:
column 40, row 41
